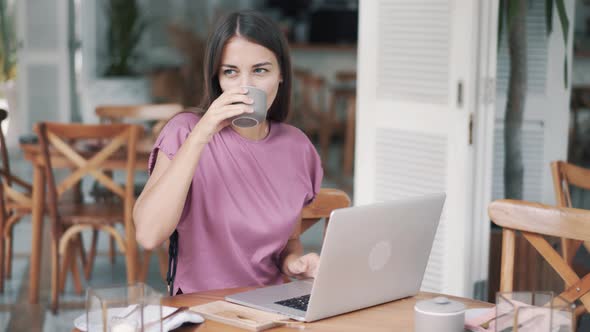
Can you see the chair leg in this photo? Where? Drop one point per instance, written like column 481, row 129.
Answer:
column 91, row 255
column 54, row 276
column 76, row 276
column 163, row 260
column 64, row 269
column 2, row 247
column 9, row 244
column 112, row 252
column 8, row 255
column 145, row 265
column 80, row 242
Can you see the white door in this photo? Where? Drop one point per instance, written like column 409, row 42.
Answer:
column 44, row 88
column 419, row 75
column 546, row 115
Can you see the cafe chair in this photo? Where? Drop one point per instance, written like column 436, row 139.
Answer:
column 309, row 108
column 535, row 221
column 155, row 116
column 566, row 175
column 343, row 123
column 326, row 201
column 16, row 204
column 74, row 146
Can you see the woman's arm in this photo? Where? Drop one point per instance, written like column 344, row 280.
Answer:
column 293, row 262
column 157, row 210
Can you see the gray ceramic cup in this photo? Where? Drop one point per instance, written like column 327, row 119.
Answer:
column 248, row 120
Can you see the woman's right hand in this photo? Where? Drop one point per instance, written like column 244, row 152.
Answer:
column 231, row 103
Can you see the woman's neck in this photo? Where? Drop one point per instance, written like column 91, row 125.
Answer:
column 255, row 133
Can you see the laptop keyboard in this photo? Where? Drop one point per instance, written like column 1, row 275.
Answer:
column 299, row 303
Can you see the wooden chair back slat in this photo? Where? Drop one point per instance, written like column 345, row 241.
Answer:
column 118, row 113
column 535, row 221
column 140, row 114
column 88, row 166
column 566, row 175
column 541, row 218
column 326, row 201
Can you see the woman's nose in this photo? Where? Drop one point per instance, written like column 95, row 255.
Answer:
column 246, row 80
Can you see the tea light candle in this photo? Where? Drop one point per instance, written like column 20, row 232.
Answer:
column 123, row 327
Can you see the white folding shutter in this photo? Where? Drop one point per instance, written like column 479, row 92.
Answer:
column 546, row 115
column 44, row 88
column 416, row 88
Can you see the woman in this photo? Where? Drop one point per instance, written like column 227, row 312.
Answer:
column 233, row 194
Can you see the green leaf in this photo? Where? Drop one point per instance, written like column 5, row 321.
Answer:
column 501, row 13
column 565, row 71
column 549, row 16
column 512, row 11
column 565, row 23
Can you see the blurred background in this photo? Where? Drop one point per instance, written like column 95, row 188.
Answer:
column 412, row 99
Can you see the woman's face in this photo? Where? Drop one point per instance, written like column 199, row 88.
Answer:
column 244, row 63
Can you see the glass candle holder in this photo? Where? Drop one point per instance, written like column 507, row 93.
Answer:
column 130, row 308
column 532, row 311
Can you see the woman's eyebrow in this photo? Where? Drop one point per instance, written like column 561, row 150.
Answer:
column 262, row 64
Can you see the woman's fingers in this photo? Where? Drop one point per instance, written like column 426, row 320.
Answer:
column 231, row 111
column 235, row 95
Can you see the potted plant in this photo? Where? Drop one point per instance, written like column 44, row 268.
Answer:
column 125, row 29
column 8, row 67
column 117, row 79
column 514, row 13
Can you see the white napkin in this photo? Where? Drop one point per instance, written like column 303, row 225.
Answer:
column 171, row 323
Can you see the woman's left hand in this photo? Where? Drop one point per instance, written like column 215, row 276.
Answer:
column 302, row 267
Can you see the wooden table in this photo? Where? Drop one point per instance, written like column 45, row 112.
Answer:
column 392, row 316
column 32, row 153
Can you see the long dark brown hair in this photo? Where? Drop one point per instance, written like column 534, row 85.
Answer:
column 258, row 29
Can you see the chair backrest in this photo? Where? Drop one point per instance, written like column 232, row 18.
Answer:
column 120, row 113
column 534, row 221
column 326, row 201
column 309, row 101
column 5, row 169
column 566, row 175
column 69, row 145
column 140, row 114
column 9, row 179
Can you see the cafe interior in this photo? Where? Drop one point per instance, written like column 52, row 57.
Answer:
column 400, row 99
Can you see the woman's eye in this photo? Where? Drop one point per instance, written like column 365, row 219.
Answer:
column 229, row 72
column 260, row 70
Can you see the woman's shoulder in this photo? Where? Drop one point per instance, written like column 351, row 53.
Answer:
column 295, row 137
column 293, row 133
column 186, row 119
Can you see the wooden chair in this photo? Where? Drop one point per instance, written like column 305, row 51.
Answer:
column 534, row 221
column 17, row 203
column 344, row 90
column 158, row 115
column 564, row 176
column 69, row 220
column 309, row 108
column 327, row 200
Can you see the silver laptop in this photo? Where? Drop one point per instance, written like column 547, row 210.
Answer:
column 372, row 254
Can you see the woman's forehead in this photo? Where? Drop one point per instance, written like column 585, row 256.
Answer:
column 240, row 51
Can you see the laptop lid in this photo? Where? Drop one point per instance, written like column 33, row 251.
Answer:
column 374, row 254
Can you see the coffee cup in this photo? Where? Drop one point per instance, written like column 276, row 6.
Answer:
column 248, row 120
